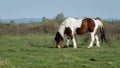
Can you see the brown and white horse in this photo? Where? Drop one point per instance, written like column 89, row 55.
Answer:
column 72, row 26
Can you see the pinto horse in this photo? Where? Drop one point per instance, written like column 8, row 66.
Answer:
column 72, row 26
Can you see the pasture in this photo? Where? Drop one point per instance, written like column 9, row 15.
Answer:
column 38, row 51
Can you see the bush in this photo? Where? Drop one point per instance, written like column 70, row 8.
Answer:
column 51, row 26
column 27, row 28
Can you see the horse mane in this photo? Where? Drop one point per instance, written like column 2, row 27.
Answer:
column 62, row 28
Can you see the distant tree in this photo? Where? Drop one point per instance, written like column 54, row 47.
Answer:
column 12, row 22
column 44, row 19
column 98, row 18
column 34, row 22
column 60, row 17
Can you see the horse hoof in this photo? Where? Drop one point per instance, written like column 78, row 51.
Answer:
column 89, row 47
column 74, row 47
column 58, row 47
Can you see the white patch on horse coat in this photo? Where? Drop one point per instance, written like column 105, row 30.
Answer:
column 99, row 23
column 70, row 22
column 61, row 30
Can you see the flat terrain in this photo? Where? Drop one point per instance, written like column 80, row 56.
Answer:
column 38, row 51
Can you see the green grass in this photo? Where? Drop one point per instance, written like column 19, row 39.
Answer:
column 38, row 51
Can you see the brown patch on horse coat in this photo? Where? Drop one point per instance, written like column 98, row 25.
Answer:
column 87, row 25
column 68, row 32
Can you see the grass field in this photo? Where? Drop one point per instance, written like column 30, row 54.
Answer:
column 38, row 51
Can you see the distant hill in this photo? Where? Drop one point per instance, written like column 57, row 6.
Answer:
column 111, row 19
column 28, row 20
column 22, row 20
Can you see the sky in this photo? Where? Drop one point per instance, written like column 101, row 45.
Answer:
column 50, row 8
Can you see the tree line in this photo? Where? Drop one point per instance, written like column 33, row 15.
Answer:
column 51, row 25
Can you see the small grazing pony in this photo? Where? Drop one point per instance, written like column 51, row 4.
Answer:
column 72, row 26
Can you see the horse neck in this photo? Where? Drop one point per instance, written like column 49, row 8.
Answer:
column 61, row 30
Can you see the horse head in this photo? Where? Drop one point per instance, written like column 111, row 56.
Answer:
column 58, row 40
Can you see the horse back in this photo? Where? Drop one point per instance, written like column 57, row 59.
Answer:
column 88, row 24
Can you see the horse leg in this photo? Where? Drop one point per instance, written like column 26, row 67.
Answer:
column 67, row 42
column 92, row 40
column 74, row 42
column 97, row 41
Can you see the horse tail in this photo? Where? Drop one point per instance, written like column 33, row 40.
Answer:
column 103, row 36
